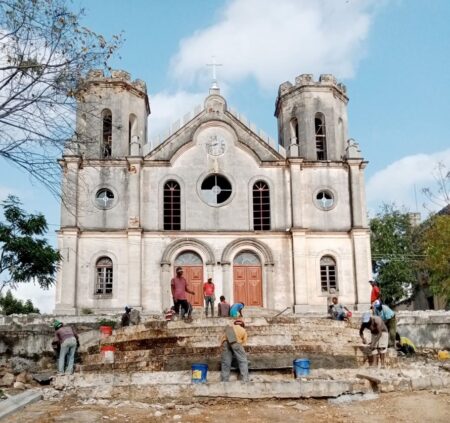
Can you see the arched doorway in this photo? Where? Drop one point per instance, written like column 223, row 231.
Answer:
column 247, row 279
column 192, row 266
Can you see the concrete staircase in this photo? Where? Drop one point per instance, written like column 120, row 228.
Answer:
column 274, row 342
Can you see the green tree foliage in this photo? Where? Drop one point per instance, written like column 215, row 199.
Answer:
column 10, row 305
column 24, row 255
column 45, row 52
column 394, row 253
column 435, row 241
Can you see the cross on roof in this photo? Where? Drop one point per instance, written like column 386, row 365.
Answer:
column 214, row 65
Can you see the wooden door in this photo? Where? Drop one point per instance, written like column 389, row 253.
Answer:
column 248, row 285
column 194, row 278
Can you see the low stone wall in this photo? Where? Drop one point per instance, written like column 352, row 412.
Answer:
column 31, row 335
column 426, row 329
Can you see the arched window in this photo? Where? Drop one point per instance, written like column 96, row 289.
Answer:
column 172, row 206
column 106, row 134
column 132, row 131
column 104, row 276
column 328, row 277
column 321, row 139
column 294, row 131
column 261, row 206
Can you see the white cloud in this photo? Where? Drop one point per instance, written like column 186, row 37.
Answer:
column 396, row 182
column 167, row 108
column 274, row 41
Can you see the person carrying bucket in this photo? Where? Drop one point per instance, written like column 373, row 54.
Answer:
column 232, row 346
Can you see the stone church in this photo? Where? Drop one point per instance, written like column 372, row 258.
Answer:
column 275, row 224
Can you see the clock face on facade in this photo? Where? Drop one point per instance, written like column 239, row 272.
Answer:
column 215, row 146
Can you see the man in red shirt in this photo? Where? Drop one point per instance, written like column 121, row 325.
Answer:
column 208, row 294
column 179, row 288
column 375, row 294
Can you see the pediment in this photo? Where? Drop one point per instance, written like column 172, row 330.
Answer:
column 215, row 113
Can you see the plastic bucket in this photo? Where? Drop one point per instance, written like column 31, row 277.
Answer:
column 107, row 351
column 105, row 331
column 301, row 367
column 199, row 373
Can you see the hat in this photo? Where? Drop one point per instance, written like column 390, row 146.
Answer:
column 57, row 324
column 371, row 281
column 127, row 309
column 179, row 269
column 366, row 317
column 377, row 303
column 239, row 322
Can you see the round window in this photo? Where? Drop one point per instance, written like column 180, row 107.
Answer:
column 324, row 200
column 216, row 189
column 104, row 198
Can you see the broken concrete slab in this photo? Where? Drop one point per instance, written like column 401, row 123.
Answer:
column 17, row 402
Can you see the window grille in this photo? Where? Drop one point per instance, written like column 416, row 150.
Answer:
column 172, row 206
column 104, row 281
column 328, row 277
column 261, row 206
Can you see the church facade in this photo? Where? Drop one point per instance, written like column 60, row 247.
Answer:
column 275, row 225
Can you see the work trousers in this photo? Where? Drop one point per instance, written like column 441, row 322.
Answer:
column 392, row 329
column 228, row 352
column 182, row 307
column 68, row 348
column 209, row 301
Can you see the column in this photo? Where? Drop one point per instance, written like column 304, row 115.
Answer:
column 134, row 192
column 362, row 267
column 69, row 188
column 356, row 193
column 296, row 190
column 66, row 289
column 299, row 270
column 166, row 293
column 134, row 267
column 226, row 281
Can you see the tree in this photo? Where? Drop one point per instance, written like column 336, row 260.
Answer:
column 394, row 253
column 44, row 54
column 24, row 255
column 10, row 305
column 435, row 240
column 441, row 196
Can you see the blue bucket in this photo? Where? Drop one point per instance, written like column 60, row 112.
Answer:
column 199, row 373
column 301, row 367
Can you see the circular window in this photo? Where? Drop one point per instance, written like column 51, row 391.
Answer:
column 324, row 200
column 104, row 198
column 216, row 189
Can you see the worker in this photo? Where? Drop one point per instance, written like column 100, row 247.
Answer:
column 338, row 311
column 236, row 310
column 179, row 288
column 375, row 293
column 234, row 339
column 404, row 345
column 389, row 319
column 223, row 308
column 68, row 340
column 379, row 340
column 126, row 317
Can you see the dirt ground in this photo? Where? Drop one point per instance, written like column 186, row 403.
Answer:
column 409, row 407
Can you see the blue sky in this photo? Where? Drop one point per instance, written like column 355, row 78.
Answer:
column 393, row 55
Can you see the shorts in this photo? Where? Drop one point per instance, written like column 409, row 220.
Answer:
column 381, row 347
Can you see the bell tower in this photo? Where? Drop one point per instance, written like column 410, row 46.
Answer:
column 312, row 118
column 112, row 115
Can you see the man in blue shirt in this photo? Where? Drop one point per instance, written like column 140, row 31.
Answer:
column 388, row 317
column 236, row 310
